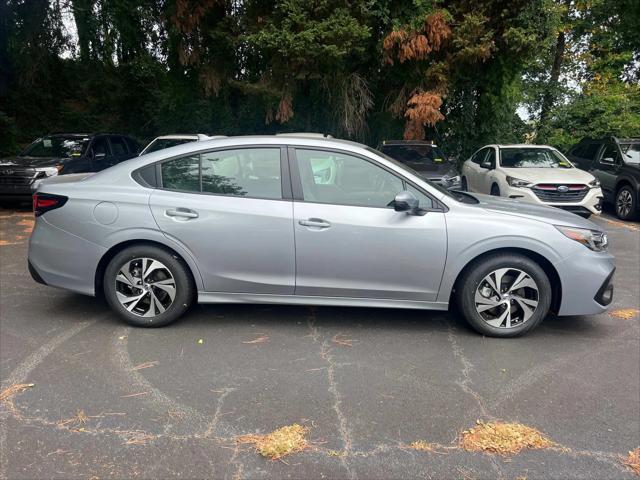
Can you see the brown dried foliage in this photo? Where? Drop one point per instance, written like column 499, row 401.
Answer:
column 437, row 29
column 416, row 45
column 633, row 461
column 503, row 438
column 422, row 109
column 285, row 108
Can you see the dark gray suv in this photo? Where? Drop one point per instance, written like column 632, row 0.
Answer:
column 615, row 162
column 60, row 154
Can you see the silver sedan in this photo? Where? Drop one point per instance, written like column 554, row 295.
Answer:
column 314, row 221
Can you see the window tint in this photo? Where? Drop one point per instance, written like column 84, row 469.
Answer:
column 100, row 146
column 418, row 154
column 118, row 146
column 329, row 177
column 162, row 143
column 610, row 151
column 577, row 151
column 424, row 200
column 590, row 151
column 182, row 174
column 479, row 156
column 133, row 145
column 491, row 158
column 250, row 172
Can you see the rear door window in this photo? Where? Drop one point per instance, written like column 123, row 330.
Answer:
column 100, row 146
column 118, row 146
column 246, row 172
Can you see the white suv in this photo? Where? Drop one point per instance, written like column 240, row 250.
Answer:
column 532, row 173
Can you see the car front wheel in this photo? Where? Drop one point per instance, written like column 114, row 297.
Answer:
column 148, row 286
column 626, row 203
column 504, row 295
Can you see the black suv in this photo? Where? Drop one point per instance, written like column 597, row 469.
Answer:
column 61, row 154
column 425, row 158
column 616, row 163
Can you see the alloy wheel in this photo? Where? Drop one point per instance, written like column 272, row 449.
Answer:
column 506, row 298
column 624, row 203
column 145, row 287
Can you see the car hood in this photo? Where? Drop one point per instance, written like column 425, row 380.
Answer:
column 30, row 162
column 552, row 215
column 550, row 175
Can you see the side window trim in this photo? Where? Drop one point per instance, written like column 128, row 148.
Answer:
column 296, row 181
column 285, row 177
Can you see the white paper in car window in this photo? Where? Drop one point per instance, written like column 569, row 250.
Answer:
column 47, row 142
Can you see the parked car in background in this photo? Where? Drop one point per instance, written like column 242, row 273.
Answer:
column 426, row 158
column 252, row 220
column 616, row 163
column 58, row 154
column 166, row 141
column 532, row 173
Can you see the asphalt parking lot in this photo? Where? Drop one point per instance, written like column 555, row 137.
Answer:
column 111, row 401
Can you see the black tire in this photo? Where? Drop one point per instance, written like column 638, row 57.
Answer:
column 495, row 190
column 474, row 275
column 185, row 290
column 463, row 185
column 626, row 203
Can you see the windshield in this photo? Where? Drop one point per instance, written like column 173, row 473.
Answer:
column 630, row 153
column 532, row 158
column 416, row 154
column 57, row 146
column 162, row 143
column 459, row 196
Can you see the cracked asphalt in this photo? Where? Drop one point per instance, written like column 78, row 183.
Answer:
column 111, row 401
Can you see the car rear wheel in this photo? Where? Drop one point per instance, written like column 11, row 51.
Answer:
column 626, row 205
column 504, row 295
column 148, row 286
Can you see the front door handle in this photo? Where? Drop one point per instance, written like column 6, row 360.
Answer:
column 181, row 212
column 314, row 223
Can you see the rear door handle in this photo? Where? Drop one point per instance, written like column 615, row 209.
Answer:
column 314, row 223
column 181, row 212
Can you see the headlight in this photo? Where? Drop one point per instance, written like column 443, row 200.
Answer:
column 592, row 239
column 516, row 182
column 595, row 183
column 48, row 171
column 450, row 181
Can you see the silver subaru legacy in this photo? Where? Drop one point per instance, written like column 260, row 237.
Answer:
column 313, row 221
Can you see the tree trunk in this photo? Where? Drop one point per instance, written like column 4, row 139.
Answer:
column 550, row 94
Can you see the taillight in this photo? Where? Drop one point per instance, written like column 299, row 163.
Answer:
column 43, row 202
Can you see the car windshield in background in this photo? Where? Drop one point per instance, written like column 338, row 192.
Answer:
column 427, row 154
column 58, row 146
column 162, row 143
column 532, row 158
column 631, row 153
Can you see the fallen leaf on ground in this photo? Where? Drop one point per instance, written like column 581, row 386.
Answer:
column 13, row 390
column 260, row 339
column 79, row 419
column 283, row 441
column 339, row 339
column 625, row 313
column 422, row 446
column 503, row 438
column 145, row 365
column 633, row 461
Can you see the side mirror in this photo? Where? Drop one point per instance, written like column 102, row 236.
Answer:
column 486, row 165
column 406, row 201
column 608, row 160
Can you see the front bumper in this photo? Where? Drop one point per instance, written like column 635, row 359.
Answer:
column 591, row 203
column 586, row 278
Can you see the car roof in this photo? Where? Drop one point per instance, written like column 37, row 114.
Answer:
column 185, row 136
column 408, row 142
column 519, row 145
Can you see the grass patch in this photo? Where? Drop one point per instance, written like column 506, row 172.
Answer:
column 503, row 438
column 633, row 461
column 283, row 441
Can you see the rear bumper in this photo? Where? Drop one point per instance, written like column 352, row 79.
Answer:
column 60, row 259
